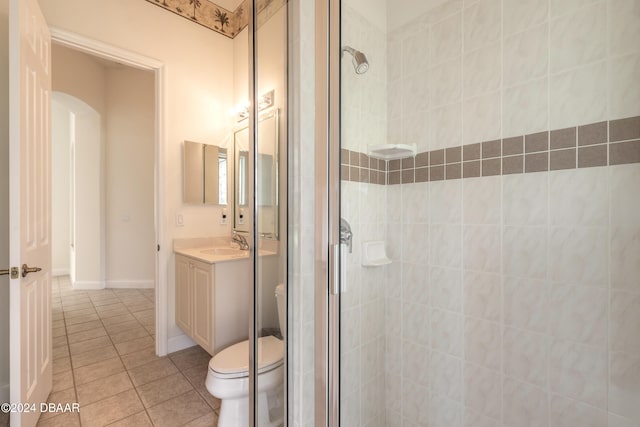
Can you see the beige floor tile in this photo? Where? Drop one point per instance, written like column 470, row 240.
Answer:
column 194, row 356
column 141, row 306
column 111, row 409
column 70, row 301
column 98, row 370
column 196, row 375
column 61, row 365
column 78, row 306
column 57, row 315
column 62, row 381
column 212, row 401
column 129, row 335
column 139, row 358
column 163, row 389
column 128, row 301
column 70, row 314
column 60, row 397
column 70, row 295
column 59, row 341
column 207, row 420
column 81, row 327
column 141, row 419
column 179, row 410
column 82, row 319
column 104, row 387
column 93, row 356
column 121, row 327
column 134, row 345
column 152, row 371
column 113, row 313
column 145, row 313
column 58, row 332
column 99, row 302
column 57, row 324
column 65, row 419
column 117, row 319
column 117, row 304
column 126, row 292
column 87, row 335
column 60, row 352
column 98, row 292
column 87, row 345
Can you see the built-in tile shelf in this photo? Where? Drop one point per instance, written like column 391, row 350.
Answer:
column 392, row 151
column 608, row 143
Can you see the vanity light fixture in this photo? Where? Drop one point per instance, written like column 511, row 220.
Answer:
column 264, row 102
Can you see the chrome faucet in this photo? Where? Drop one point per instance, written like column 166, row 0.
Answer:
column 346, row 236
column 240, row 240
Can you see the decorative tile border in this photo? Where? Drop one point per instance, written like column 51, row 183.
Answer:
column 217, row 18
column 615, row 142
column 358, row 167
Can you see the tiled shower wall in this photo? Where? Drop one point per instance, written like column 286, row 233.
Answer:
column 515, row 299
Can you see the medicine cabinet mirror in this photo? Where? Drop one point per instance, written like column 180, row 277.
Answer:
column 267, row 171
column 205, row 174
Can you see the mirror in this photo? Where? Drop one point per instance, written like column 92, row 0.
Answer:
column 267, row 172
column 205, row 174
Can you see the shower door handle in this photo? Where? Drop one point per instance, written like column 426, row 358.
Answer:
column 339, row 266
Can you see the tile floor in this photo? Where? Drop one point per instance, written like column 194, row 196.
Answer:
column 103, row 350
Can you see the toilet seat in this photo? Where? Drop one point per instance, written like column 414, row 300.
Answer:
column 233, row 362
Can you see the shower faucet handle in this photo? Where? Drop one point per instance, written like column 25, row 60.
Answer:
column 346, row 236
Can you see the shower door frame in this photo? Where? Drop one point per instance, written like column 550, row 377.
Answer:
column 327, row 214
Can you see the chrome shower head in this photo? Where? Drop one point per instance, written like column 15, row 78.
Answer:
column 359, row 60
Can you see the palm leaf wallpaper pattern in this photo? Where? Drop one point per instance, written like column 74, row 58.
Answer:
column 217, row 18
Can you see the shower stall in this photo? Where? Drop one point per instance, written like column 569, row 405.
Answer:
column 486, row 156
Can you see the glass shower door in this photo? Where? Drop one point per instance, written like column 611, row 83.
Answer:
column 363, row 208
column 269, row 99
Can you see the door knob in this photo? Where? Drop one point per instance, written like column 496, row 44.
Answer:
column 26, row 270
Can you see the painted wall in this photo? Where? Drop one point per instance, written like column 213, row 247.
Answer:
column 129, row 182
column 4, row 195
column 510, row 300
column 199, row 94
column 61, row 188
column 88, row 85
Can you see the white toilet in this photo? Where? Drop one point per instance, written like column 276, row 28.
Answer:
column 228, row 377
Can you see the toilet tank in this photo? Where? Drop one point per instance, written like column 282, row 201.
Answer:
column 281, row 302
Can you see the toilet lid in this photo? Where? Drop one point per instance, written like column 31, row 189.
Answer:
column 234, row 361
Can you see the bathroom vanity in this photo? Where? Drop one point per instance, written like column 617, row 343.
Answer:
column 212, row 295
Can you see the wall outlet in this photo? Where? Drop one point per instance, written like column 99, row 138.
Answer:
column 179, row 220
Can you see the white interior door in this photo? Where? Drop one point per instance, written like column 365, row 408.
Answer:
column 30, row 208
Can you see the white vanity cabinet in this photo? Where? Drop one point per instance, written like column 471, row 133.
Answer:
column 212, row 301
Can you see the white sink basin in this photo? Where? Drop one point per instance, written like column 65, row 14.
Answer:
column 225, row 252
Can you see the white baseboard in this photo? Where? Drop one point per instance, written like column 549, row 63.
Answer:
column 133, row 284
column 60, row 272
column 4, row 393
column 87, row 285
column 179, row 343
